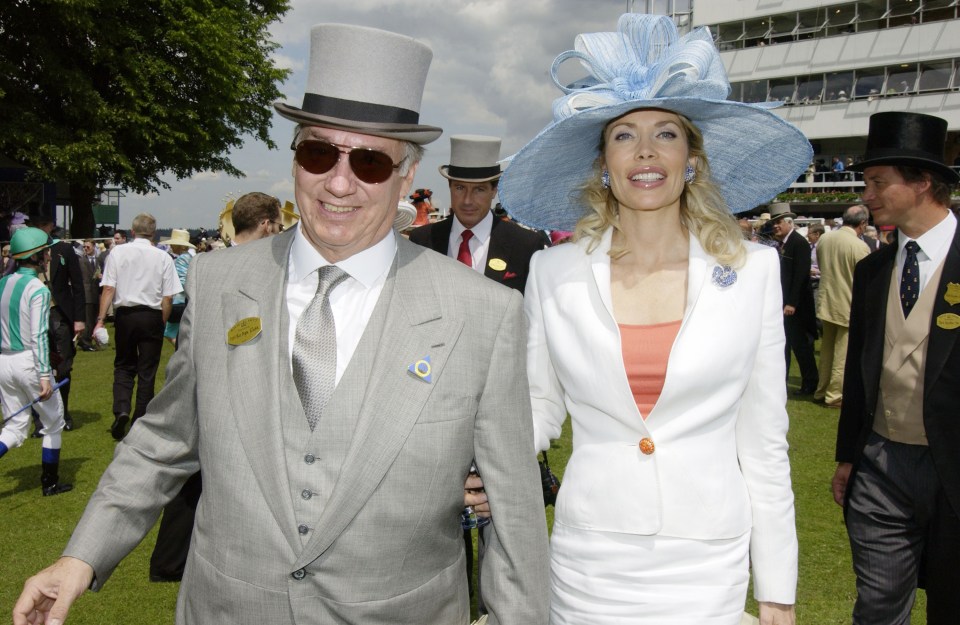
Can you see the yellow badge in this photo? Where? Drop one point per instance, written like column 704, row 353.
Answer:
column 953, row 293
column 948, row 321
column 497, row 264
column 244, row 331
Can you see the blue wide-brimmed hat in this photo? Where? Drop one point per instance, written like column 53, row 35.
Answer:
column 753, row 153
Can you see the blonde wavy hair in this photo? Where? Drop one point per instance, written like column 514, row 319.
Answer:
column 702, row 209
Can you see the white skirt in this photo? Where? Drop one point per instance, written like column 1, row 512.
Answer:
column 606, row 578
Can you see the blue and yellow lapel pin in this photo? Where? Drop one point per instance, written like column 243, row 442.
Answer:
column 422, row 369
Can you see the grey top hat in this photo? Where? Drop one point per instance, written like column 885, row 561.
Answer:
column 779, row 210
column 365, row 80
column 473, row 158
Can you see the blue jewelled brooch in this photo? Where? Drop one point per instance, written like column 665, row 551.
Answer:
column 724, row 276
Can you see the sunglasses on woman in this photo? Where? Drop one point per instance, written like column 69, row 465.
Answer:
column 319, row 157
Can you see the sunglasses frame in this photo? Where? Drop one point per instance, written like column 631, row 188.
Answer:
column 348, row 150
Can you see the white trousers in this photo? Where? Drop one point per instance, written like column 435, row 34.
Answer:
column 19, row 385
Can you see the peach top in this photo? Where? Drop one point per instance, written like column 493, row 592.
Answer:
column 646, row 349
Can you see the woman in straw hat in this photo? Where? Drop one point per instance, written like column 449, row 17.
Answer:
column 659, row 330
column 183, row 252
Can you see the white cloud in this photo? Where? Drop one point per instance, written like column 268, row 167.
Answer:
column 490, row 75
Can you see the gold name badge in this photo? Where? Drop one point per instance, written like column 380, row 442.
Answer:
column 497, row 264
column 244, row 331
column 948, row 321
column 953, row 293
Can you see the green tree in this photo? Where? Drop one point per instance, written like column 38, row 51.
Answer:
column 121, row 92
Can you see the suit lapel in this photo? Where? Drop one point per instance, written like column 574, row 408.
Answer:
column 413, row 330
column 255, row 368
column 942, row 340
column 440, row 235
column 499, row 248
column 876, row 292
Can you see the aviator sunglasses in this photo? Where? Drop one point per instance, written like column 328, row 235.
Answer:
column 319, row 157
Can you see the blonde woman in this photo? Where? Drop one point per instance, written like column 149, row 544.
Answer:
column 659, row 331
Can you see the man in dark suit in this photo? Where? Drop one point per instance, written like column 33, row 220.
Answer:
column 899, row 434
column 67, row 311
column 799, row 313
column 498, row 249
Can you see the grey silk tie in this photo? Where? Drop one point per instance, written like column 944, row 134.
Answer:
column 315, row 347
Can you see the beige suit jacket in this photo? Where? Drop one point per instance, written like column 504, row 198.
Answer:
column 838, row 252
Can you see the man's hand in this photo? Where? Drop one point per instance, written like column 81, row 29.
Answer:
column 777, row 614
column 474, row 495
column 48, row 595
column 78, row 327
column 789, row 310
column 46, row 389
column 839, row 482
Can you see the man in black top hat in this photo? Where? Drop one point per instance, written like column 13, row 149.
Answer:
column 498, row 249
column 898, row 476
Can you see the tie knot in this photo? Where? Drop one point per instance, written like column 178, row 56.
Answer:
column 912, row 248
column 329, row 277
column 467, row 235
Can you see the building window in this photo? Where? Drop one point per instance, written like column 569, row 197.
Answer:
column 871, row 15
column 868, row 83
column 935, row 76
column 839, row 86
column 782, row 89
column 841, row 19
column 754, row 91
column 936, row 10
column 810, row 89
column 901, row 79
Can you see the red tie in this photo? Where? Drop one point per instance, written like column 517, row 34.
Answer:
column 464, row 255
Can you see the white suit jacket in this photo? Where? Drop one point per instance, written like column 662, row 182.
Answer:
column 720, row 466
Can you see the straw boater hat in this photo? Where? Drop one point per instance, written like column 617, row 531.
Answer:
column 473, row 158
column 365, row 80
column 753, row 154
column 780, row 210
column 179, row 237
column 911, row 139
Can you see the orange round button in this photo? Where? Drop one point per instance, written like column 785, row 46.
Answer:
column 646, row 446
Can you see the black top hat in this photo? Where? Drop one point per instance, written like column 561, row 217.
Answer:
column 911, row 139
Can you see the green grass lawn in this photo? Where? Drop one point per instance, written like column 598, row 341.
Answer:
column 35, row 528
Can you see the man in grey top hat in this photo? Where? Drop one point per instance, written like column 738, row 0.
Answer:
column 473, row 235
column 898, row 440
column 362, row 376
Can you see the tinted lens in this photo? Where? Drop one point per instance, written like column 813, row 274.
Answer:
column 319, row 157
column 370, row 165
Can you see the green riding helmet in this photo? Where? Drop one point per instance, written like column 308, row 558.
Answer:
column 26, row 242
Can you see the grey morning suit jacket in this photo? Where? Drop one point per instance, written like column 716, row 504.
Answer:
column 386, row 546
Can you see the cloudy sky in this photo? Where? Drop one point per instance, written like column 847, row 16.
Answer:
column 490, row 75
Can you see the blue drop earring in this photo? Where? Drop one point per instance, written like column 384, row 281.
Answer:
column 605, row 179
column 689, row 174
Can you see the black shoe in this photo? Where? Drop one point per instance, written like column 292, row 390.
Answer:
column 68, row 423
column 88, row 348
column 56, row 489
column 119, row 428
column 160, row 579
column 36, row 434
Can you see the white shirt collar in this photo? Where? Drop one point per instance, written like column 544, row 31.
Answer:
column 481, row 231
column 935, row 242
column 365, row 266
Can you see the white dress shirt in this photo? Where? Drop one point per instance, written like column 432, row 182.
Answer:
column 934, row 245
column 352, row 301
column 479, row 244
column 141, row 274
